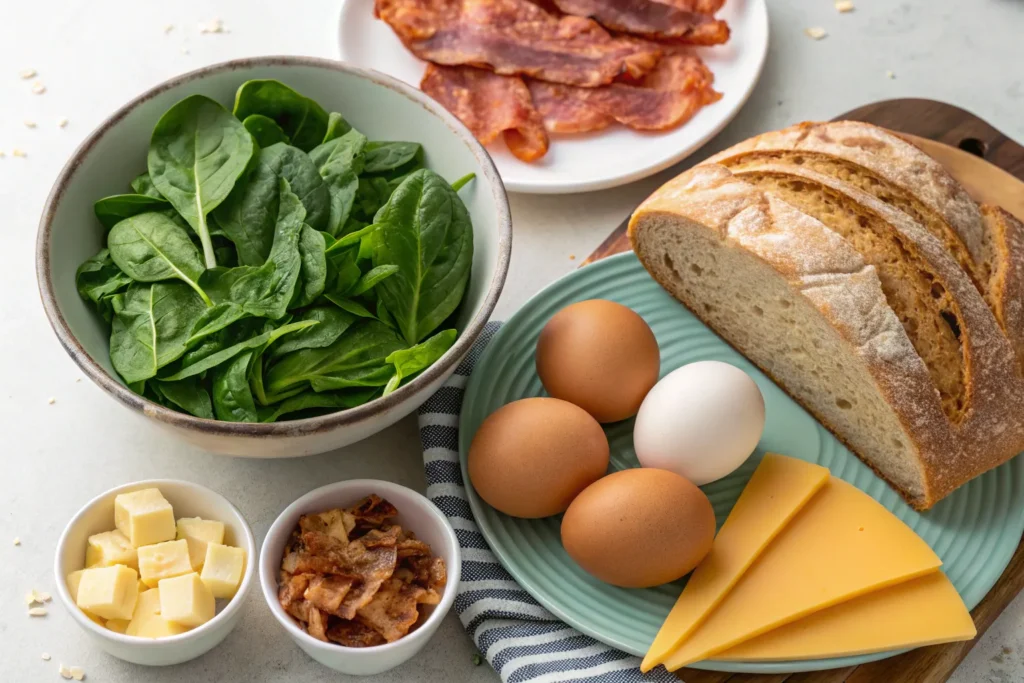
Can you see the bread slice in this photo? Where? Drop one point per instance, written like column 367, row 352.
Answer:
column 1005, row 289
column 800, row 301
column 886, row 166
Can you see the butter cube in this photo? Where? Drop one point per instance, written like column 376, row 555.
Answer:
column 109, row 592
column 118, row 625
column 146, row 620
column 198, row 532
column 186, row 600
column 222, row 569
column 163, row 561
column 94, row 618
column 74, row 578
column 142, row 586
column 145, row 517
column 110, row 548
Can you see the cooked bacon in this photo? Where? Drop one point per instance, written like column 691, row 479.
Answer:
column 515, row 37
column 394, row 610
column 327, row 592
column 353, row 634
column 667, row 97
column 677, row 20
column 489, row 104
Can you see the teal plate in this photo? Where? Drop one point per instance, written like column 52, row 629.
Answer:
column 975, row 530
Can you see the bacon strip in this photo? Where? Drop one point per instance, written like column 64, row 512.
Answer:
column 516, row 37
column 683, row 21
column 667, row 97
column 490, row 104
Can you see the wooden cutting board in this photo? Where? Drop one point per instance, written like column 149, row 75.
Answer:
column 991, row 167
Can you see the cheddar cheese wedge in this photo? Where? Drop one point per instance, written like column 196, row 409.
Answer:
column 919, row 612
column 778, row 489
column 841, row 545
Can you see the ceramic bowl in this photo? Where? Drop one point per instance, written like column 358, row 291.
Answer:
column 379, row 106
column 188, row 500
column 415, row 513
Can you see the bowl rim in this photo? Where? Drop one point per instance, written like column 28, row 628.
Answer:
column 286, row 428
column 269, row 566
column 233, row 605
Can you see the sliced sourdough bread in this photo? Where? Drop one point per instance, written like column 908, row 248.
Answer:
column 1005, row 290
column 805, row 302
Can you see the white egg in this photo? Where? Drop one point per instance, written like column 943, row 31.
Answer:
column 701, row 421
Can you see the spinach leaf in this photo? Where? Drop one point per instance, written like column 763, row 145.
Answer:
column 372, row 194
column 310, row 400
column 151, row 328
column 387, row 156
column 189, row 395
column 214, row 320
column 371, row 278
column 336, row 126
column 302, row 119
column 355, row 359
column 98, row 280
column 144, row 185
column 351, row 238
column 267, row 290
column 150, row 247
column 313, row 268
column 339, row 162
column 264, row 130
column 332, row 323
column 342, row 270
column 350, row 306
column 249, row 213
column 197, row 152
column 215, row 359
column 384, row 316
column 232, row 399
column 426, row 231
column 111, row 210
column 415, row 359
column 298, row 169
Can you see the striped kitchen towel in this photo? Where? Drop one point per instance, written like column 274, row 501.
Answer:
column 522, row 641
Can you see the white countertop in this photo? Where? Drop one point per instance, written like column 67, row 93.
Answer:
column 93, row 56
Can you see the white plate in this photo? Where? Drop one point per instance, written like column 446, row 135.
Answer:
column 594, row 161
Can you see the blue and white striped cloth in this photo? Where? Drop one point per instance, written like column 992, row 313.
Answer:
column 522, row 641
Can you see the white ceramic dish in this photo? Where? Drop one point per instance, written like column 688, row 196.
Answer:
column 188, row 500
column 608, row 158
column 415, row 513
column 380, row 107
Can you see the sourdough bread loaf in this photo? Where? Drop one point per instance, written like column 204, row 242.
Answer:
column 839, row 280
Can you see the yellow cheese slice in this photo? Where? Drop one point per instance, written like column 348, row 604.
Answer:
column 841, row 545
column 778, row 489
column 919, row 612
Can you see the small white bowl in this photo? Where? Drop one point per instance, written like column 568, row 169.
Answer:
column 415, row 513
column 188, row 500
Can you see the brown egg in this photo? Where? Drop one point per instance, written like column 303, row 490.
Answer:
column 639, row 528
column 531, row 457
column 601, row 356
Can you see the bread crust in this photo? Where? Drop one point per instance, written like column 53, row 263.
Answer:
column 824, row 268
column 888, row 156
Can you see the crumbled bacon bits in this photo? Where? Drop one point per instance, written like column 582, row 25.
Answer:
column 354, row 577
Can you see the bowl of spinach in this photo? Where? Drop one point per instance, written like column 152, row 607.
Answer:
column 274, row 256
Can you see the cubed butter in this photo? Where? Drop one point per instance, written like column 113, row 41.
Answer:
column 222, row 569
column 97, row 620
column 147, row 622
column 118, row 625
column 145, row 517
column 163, row 561
column 74, row 578
column 109, row 592
column 186, row 600
column 197, row 533
column 110, row 548
column 142, row 586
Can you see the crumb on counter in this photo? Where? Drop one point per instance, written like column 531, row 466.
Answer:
column 62, row 122
column 38, row 88
column 816, row 32
column 843, row 6
column 30, row 124
column 27, row 73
